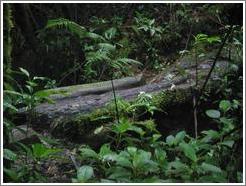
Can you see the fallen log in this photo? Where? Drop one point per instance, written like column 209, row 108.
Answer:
column 76, row 112
column 93, row 88
column 85, row 100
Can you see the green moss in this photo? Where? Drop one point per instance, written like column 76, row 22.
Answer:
column 169, row 98
column 85, row 124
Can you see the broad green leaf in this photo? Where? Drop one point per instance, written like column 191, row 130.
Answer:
column 179, row 137
column 87, row 153
column 228, row 143
column 176, row 167
column 160, row 155
column 41, row 151
column 122, row 127
column 110, row 157
column 137, row 130
column 30, row 89
column 155, row 137
column 210, row 134
column 105, row 149
column 132, row 150
column 213, row 113
column 25, row 72
column 9, row 155
column 210, row 168
column 11, row 92
column 170, row 140
column 85, row 173
column 141, row 159
column 189, row 151
column 119, row 173
column 7, row 105
column 123, row 161
column 225, row 105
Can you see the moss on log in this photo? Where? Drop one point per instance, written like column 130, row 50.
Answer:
column 94, row 88
column 79, row 116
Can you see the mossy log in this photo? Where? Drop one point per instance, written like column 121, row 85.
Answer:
column 94, row 88
column 80, row 115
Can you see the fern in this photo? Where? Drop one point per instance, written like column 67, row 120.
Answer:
column 73, row 27
column 92, row 57
column 100, row 55
column 128, row 61
column 121, row 63
column 106, row 47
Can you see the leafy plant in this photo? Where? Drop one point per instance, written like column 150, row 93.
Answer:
column 84, row 174
column 223, row 116
column 148, row 37
column 20, row 172
column 101, row 56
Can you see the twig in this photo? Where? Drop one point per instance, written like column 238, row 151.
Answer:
column 213, row 65
column 115, row 101
column 194, row 100
column 195, row 116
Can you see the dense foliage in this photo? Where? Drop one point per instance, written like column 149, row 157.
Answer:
column 79, row 43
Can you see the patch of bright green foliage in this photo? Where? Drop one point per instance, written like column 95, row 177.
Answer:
column 139, row 153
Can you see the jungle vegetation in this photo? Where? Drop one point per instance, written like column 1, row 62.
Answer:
column 49, row 45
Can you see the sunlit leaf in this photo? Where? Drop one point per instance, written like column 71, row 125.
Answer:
column 24, row 71
column 88, row 153
column 189, row 151
column 85, row 173
column 9, row 155
column 225, row 105
column 170, row 140
column 213, row 113
column 210, row 168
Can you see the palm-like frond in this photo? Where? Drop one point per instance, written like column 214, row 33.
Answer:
column 106, row 47
column 73, row 27
column 92, row 57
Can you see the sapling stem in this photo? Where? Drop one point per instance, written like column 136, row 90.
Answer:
column 115, row 101
column 194, row 98
column 213, row 65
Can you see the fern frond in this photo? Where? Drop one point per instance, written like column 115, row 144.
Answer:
column 106, row 47
column 65, row 23
column 92, row 57
column 94, row 36
column 128, row 61
column 73, row 27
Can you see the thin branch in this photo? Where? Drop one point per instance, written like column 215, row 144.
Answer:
column 115, row 101
column 213, row 65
